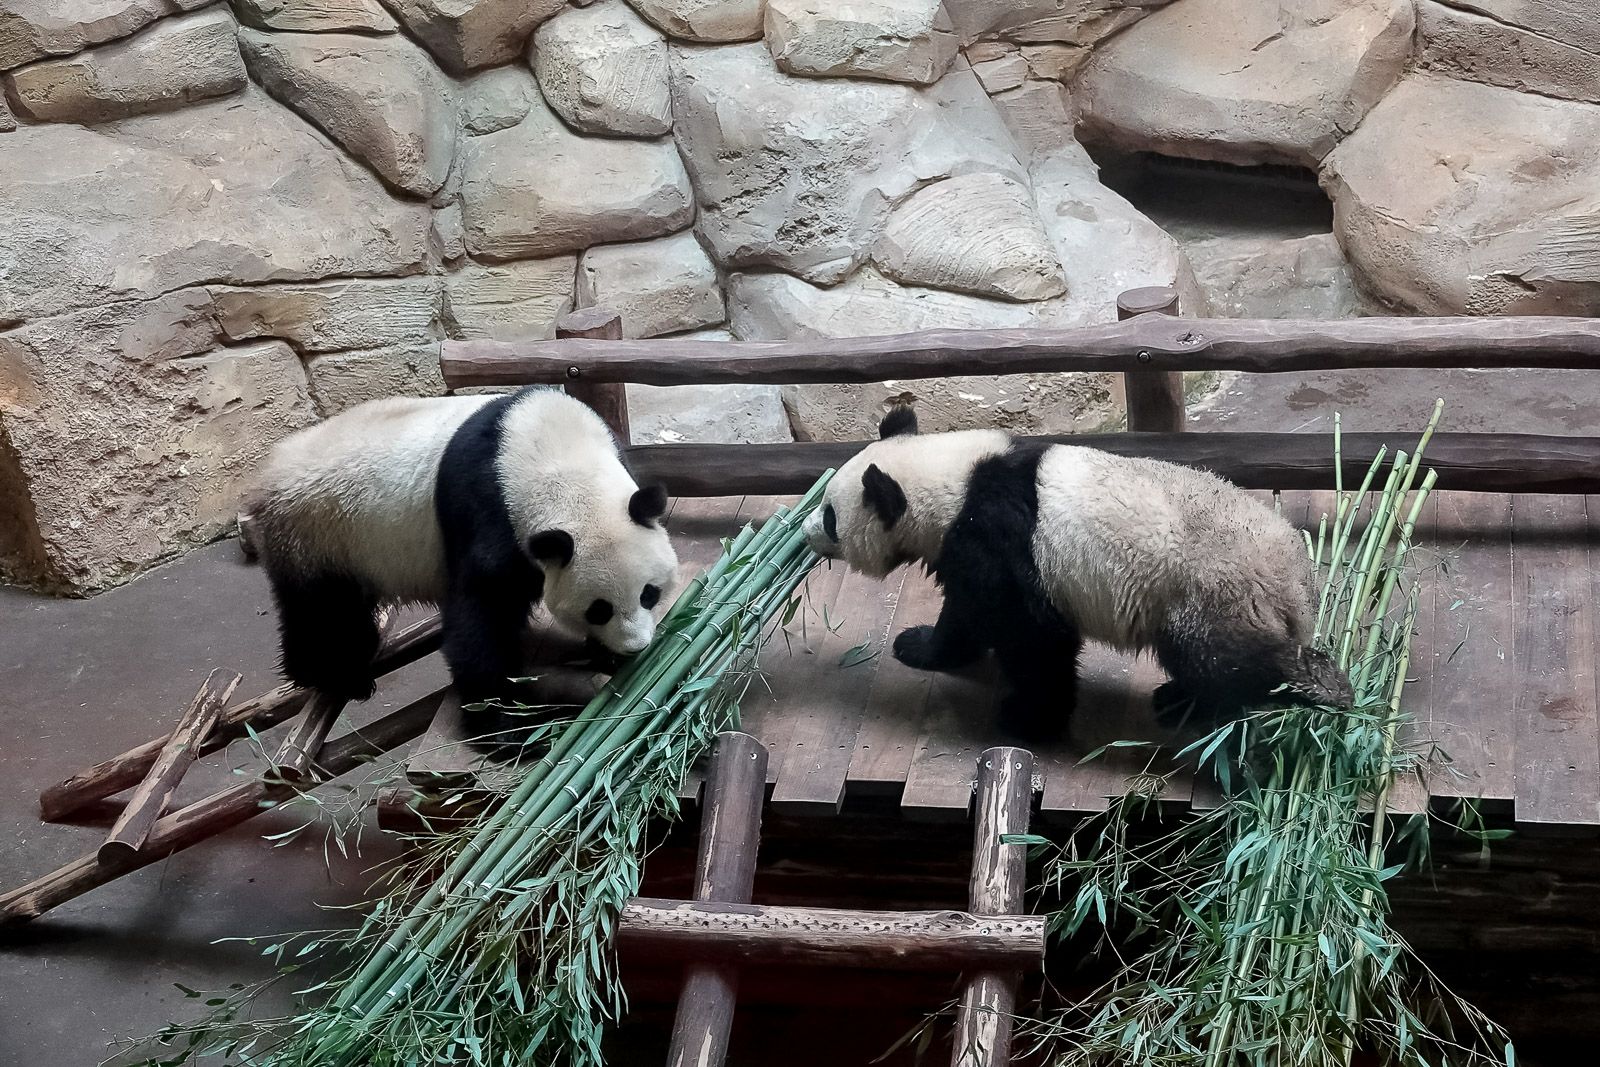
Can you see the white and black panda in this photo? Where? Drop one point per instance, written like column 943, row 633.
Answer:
column 1038, row 547
column 483, row 505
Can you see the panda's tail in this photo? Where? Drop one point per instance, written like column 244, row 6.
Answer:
column 1315, row 676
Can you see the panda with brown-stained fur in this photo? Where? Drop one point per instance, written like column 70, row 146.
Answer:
column 1039, row 547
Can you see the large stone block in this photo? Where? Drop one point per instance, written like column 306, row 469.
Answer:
column 1477, row 47
column 34, row 29
column 1245, row 81
column 538, row 189
column 1277, row 278
column 1499, row 209
column 604, row 70
column 497, row 99
column 896, row 40
column 175, row 62
column 232, row 191
column 704, row 20
column 341, row 380
column 466, row 35
column 316, row 16
column 664, row 286
column 379, row 97
column 335, row 316
column 518, row 301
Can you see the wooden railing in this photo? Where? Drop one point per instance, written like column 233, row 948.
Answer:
column 1150, row 347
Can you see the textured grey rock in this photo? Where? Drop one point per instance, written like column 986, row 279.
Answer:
column 1039, row 116
column 704, row 20
column 510, row 302
column 1277, row 278
column 466, row 35
column 175, row 62
column 497, row 99
column 379, row 97
column 1480, row 48
column 800, row 173
column 1008, row 70
column 538, row 189
column 133, row 430
column 1245, row 81
column 342, row 380
column 248, row 194
column 335, row 316
column 34, row 29
column 664, row 286
column 978, row 233
column 316, row 16
column 604, row 70
column 1499, row 212
column 7, row 122
column 1078, row 22
column 708, row 414
column 896, row 40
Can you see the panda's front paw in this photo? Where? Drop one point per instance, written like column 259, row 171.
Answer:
column 915, row 647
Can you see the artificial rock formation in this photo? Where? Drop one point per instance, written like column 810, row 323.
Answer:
column 1245, row 81
column 496, row 99
column 659, row 287
column 379, row 97
column 334, row 316
column 518, row 301
column 316, row 16
column 467, row 35
column 34, row 29
column 896, row 40
column 175, row 62
column 604, row 70
column 1556, row 56
column 710, row 21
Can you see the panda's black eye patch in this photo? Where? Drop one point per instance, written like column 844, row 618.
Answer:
column 830, row 523
column 599, row 613
column 650, row 597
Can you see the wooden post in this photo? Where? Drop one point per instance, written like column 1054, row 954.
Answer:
column 730, row 833
column 132, row 827
column 1155, row 397
column 610, row 399
column 999, row 873
column 204, row 819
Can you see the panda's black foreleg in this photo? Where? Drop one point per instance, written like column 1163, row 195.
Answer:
column 329, row 633
column 483, row 622
column 947, row 645
column 1040, row 663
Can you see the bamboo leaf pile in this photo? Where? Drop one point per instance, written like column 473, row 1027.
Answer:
column 1255, row 934
column 502, row 957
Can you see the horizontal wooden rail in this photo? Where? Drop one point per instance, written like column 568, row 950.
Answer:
column 1144, row 343
column 1474, row 462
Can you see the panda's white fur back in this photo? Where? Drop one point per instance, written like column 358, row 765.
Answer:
column 1116, row 547
column 355, row 493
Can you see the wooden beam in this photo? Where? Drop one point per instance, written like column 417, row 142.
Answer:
column 260, row 713
column 1154, row 397
column 610, row 399
column 204, row 819
column 144, row 807
column 999, row 877
column 1472, row 462
column 1147, row 342
column 784, row 936
column 730, row 833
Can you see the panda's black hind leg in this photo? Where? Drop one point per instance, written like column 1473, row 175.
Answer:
column 329, row 633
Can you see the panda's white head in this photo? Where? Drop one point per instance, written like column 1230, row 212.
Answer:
column 892, row 502
column 605, row 577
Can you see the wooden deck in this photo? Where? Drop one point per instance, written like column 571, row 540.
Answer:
column 1503, row 670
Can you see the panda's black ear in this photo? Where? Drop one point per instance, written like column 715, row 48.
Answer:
column 883, row 495
column 648, row 505
column 551, row 547
column 902, row 419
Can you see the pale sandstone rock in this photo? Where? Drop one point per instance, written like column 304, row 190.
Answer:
column 335, row 316
column 466, row 35
column 510, row 302
column 497, row 99
column 1499, row 209
column 1007, row 70
column 316, row 16
column 341, row 380
column 704, row 20
column 896, row 40
column 664, row 286
column 248, row 194
column 449, row 232
column 1244, row 81
column 34, row 29
column 1080, row 22
column 1568, row 21
column 1039, row 115
column 799, row 173
column 7, row 123
column 1277, row 278
column 1479, row 48
column 538, row 189
column 379, row 97
column 134, row 433
column 175, row 62
column 604, row 70
column 1058, row 62
column 978, row 233
column 708, row 414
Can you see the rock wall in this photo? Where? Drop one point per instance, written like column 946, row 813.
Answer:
column 222, row 220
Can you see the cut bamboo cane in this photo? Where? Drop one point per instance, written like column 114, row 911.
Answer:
column 830, row 937
column 132, row 828
column 206, row 818
column 258, row 713
column 999, row 876
column 730, row 833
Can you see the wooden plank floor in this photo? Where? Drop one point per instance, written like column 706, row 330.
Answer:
column 1503, row 677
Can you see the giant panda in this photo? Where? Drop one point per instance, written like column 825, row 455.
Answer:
column 1038, row 547
column 483, row 505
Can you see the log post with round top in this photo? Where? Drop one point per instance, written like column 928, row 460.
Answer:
column 610, row 399
column 1155, row 397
